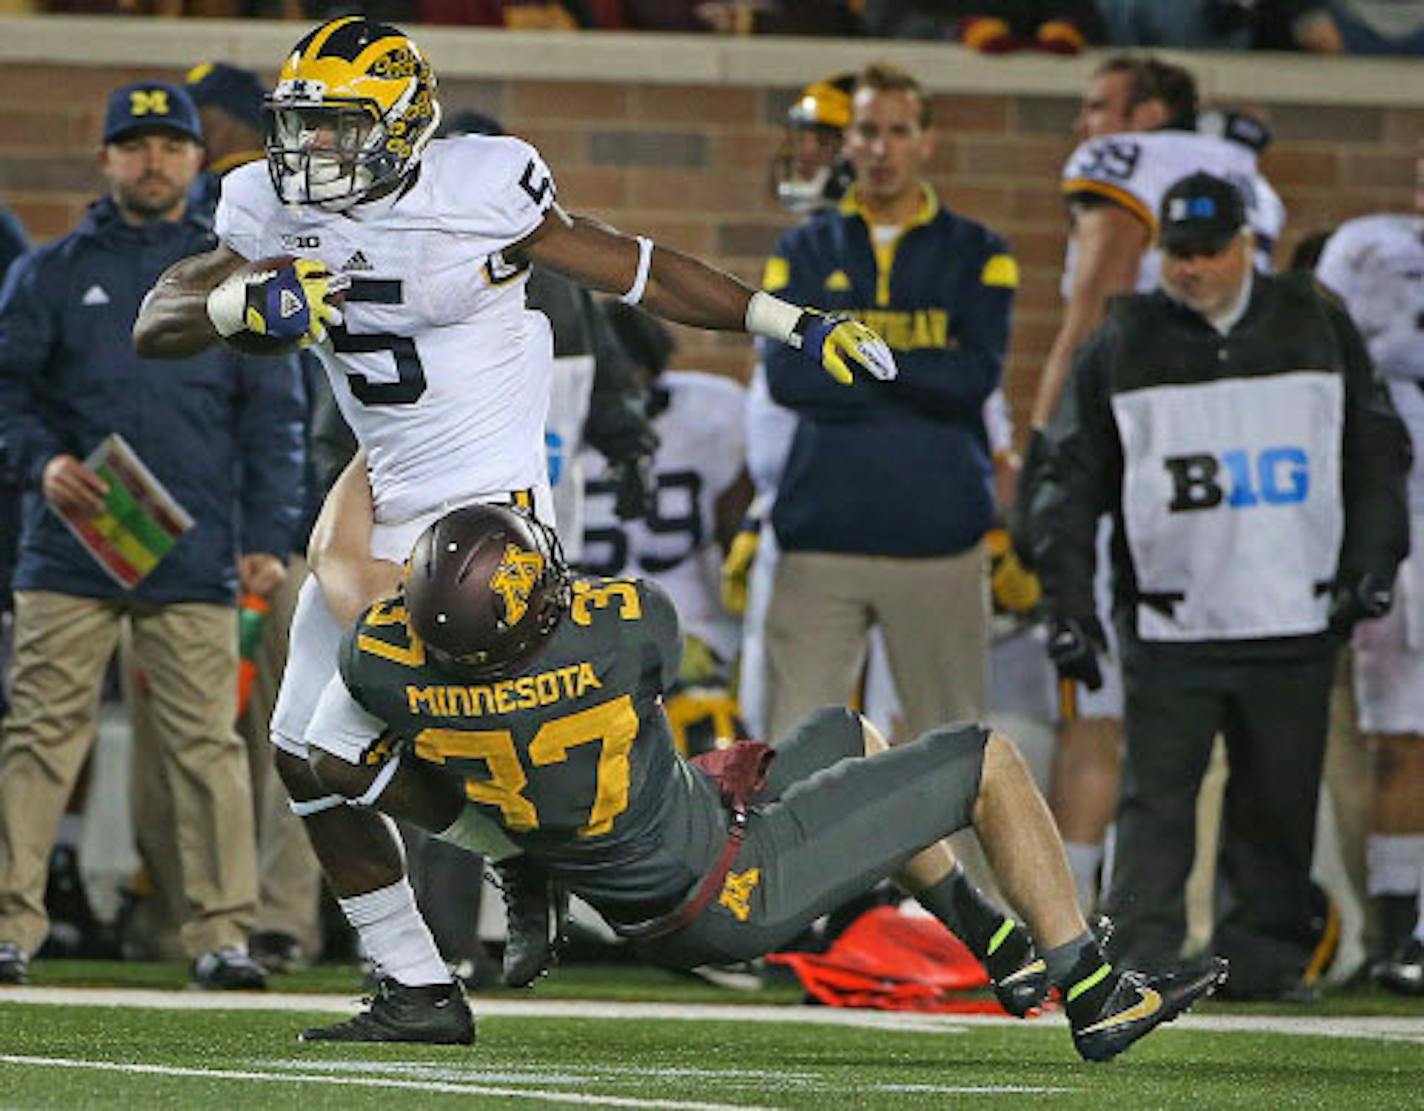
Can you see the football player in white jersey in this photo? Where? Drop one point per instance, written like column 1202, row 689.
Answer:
column 1376, row 265
column 1139, row 132
column 700, row 490
column 439, row 369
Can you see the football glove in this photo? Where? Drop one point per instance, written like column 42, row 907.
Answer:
column 632, row 487
column 1073, row 646
column 1015, row 588
column 291, row 303
column 832, row 338
column 737, row 567
column 1367, row 597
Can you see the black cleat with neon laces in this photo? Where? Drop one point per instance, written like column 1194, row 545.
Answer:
column 436, row 1014
column 1137, row 1005
column 1017, row 973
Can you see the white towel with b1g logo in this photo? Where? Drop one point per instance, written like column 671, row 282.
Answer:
column 1232, row 504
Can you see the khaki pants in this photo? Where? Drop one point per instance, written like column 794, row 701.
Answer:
column 289, row 877
column 189, row 653
column 935, row 616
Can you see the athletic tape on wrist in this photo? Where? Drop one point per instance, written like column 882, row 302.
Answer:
column 227, row 305
column 640, row 280
column 772, row 317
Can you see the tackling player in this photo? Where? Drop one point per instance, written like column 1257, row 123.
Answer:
column 1376, row 265
column 438, row 367
column 498, row 682
column 1138, row 135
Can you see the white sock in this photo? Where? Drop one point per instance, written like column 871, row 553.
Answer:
column 394, row 935
column 1395, row 862
column 1084, row 861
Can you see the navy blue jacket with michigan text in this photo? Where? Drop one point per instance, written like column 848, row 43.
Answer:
column 899, row 468
column 222, row 431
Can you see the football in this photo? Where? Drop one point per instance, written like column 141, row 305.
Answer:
column 252, row 343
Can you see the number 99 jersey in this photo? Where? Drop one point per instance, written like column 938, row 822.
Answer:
column 1134, row 169
column 439, row 368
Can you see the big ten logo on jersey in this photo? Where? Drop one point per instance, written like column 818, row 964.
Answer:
column 674, row 525
column 301, row 242
column 499, row 270
column 1239, row 479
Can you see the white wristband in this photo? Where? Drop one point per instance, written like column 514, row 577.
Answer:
column 772, row 317
column 640, row 280
column 227, row 305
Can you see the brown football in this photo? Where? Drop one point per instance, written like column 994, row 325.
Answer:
column 251, row 343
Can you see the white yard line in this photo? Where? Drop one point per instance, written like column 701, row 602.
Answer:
column 371, row 1082
column 1378, row 1027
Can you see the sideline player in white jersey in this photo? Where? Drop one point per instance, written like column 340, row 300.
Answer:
column 699, row 491
column 1376, row 266
column 1139, row 132
column 439, row 369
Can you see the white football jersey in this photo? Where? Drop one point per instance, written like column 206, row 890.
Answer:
column 439, row 368
column 1135, row 169
column 699, row 456
column 1376, row 266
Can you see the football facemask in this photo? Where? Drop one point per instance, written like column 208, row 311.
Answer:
column 353, row 110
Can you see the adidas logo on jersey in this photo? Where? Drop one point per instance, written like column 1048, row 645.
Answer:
column 289, row 304
column 358, row 261
column 94, row 295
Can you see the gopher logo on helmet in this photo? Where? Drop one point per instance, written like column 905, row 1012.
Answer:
column 514, row 580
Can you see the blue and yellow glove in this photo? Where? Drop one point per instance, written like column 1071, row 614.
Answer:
column 833, row 338
column 737, row 566
column 281, row 302
column 1016, row 589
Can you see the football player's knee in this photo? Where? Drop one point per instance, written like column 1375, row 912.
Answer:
column 337, row 775
column 297, row 776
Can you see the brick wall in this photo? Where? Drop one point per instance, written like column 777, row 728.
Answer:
column 689, row 164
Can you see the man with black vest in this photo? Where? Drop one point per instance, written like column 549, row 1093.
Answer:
column 1255, row 469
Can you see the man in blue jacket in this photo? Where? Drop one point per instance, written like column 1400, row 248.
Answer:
column 887, row 492
column 223, row 433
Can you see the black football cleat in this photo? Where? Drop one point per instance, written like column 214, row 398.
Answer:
column 1017, row 973
column 1403, row 973
column 436, row 1014
column 536, row 910
column 1139, row 1004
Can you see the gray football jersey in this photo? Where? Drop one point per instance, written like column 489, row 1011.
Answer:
column 571, row 754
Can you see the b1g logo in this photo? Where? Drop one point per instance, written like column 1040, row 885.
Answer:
column 1276, row 476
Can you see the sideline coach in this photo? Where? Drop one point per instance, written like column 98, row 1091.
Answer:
column 1255, row 469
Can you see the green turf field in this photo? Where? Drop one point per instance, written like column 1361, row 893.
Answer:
column 593, row 1037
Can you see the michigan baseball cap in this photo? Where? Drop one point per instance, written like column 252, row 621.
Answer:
column 1201, row 213
column 237, row 91
column 151, row 104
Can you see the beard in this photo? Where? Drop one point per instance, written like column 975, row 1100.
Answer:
column 150, row 198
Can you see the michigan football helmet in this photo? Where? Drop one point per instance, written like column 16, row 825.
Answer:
column 809, row 171
column 353, row 109
column 484, row 585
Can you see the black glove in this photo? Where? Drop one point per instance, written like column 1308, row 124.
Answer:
column 632, row 485
column 1035, row 459
column 1366, row 597
column 1073, row 646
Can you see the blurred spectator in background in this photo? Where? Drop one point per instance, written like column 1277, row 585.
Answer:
column 1376, row 265
column 867, row 532
column 223, row 434
column 1362, row 27
column 700, row 491
column 287, row 930
column 13, row 243
column 1054, row 26
column 1216, row 24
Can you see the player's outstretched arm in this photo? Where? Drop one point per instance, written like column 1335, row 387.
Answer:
column 687, row 290
column 173, row 320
